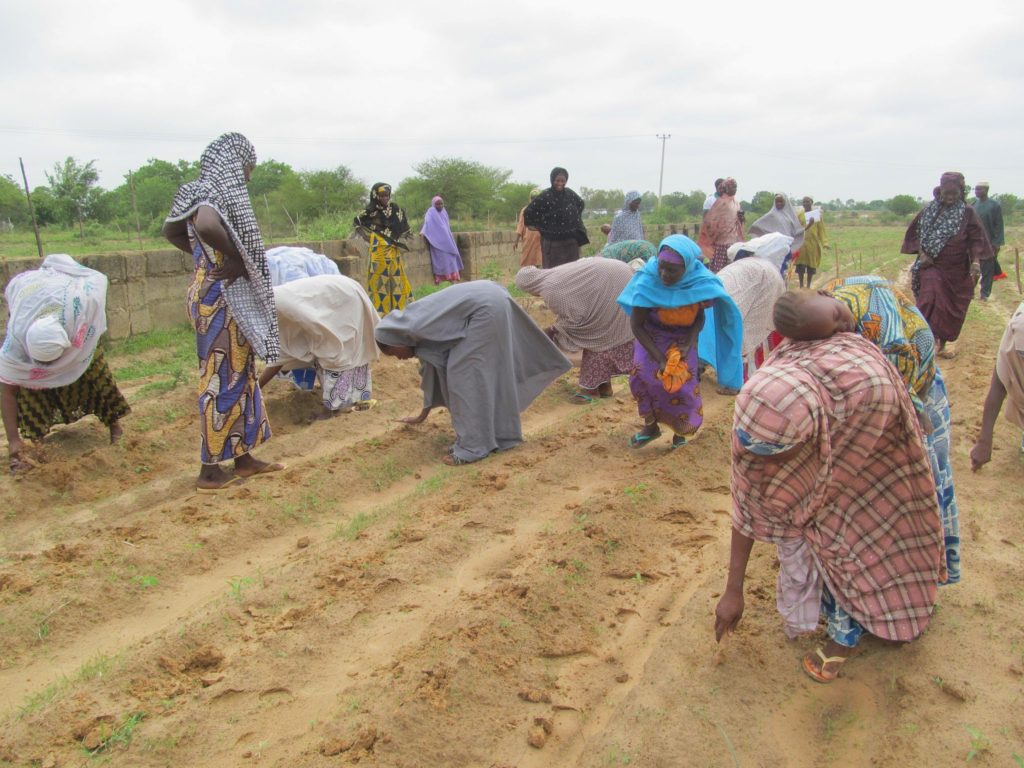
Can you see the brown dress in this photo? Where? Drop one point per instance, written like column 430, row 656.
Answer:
column 946, row 287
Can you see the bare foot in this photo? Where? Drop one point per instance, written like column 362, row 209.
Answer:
column 213, row 477
column 247, row 466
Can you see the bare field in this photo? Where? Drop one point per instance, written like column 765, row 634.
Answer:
column 549, row 606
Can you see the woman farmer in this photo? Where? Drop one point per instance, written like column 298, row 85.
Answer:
column 1007, row 386
column 828, row 463
column 582, row 295
column 530, row 238
column 815, row 241
column 722, row 226
column 628, row 251
column 950, row 243
column 666, row 301
column 327, row 324
column 481, row 357
column 51, row 371
column 383, row 225
column 781, row 219
column 231, row 305
column 445, row 261
column 890, row 321
column 626, row 224
column 558, row 213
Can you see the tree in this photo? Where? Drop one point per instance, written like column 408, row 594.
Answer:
column 468, row 188
column 13, row 206
column 73, row 186
column 902, row 205
column 1009, row 203
column 762, row 202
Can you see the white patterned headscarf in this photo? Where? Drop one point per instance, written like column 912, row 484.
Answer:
column 57, row 314
column 221, row 185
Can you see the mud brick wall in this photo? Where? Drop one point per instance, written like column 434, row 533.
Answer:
column 147, row 289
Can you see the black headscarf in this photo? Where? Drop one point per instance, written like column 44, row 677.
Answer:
column 387, row 221
column 559, row 172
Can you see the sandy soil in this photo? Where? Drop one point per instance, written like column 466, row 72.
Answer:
column 550, row 606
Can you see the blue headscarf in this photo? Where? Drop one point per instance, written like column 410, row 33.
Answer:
column 723, row 324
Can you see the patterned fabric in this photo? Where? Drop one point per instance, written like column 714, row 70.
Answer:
column 839, row 625
column 389, row 288
column 232, row 420
column 61, row 288
column 582, row 295
column 626, row 224
column 288, row 263
column 936, row 408
column 719, row 258
column 558, row 215
column 343, row 389
column 628, row 250
column 681, row 411
column 387, row 221
column 597, row 368
column 221, row 186
column 93, row 392
column 531, row 254
column 1010, row 367
column 721, row 226
column 890, row 321
column 938, row 224
column 856, row 483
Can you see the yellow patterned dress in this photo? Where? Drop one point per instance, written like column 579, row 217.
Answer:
column 232, row 419
column 387, row 284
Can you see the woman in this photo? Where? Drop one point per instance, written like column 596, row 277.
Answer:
column 530, row 238
column 231, row 305
column 666, row 302
column 383, row 225
column 626, row 224
column 950, row 243
column 445, row 261
column 627, row 251
column 722, row 226
column 327, row 323
column 51, row 371
column 481, row 357
column 558, row 213
column 582, row 295
column 783, row 220
column 815, row 242
column 828, row 463
column 891, row 322
column 1007, row 384
column 754, row 281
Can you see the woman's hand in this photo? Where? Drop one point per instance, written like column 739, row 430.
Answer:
column 925, row 260
column 230, row 270
column 417, row 419
column 728, row 613
column 975, row 272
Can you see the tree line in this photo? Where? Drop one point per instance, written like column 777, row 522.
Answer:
column 322, row 203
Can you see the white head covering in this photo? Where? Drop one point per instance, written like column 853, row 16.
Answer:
column 46, row 339
column 57, row 314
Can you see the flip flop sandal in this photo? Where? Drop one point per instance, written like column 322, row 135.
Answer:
column 232, row 482
column 819, row 675
column 581, row 399
column 639, row 440
column 266, row 470
column 452, row 460
column 365, row 405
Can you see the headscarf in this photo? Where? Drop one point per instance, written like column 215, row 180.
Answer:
column 774, row 247
column 386, row 221
column 46, row 339
column 938, row 222
column 60, row 303
column 288, row 263
column 437, row 229
column 783, row 221
column 629, row 250
column 626, row 224
column 698, row 284
column 582, row 295
column 221, row 185
column 755, row 285
column 556, row 171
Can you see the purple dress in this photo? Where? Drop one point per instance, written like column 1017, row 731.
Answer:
column 682, row 411
column 445, row 261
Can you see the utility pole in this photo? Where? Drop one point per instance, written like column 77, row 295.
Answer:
column 661, row 177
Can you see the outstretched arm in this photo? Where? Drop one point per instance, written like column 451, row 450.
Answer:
column 981, row 453
column 730, row 608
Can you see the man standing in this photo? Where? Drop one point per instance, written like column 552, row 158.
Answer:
column 710, row 199
column 991, row 216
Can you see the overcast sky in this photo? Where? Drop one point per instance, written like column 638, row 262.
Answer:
column 856, row 100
